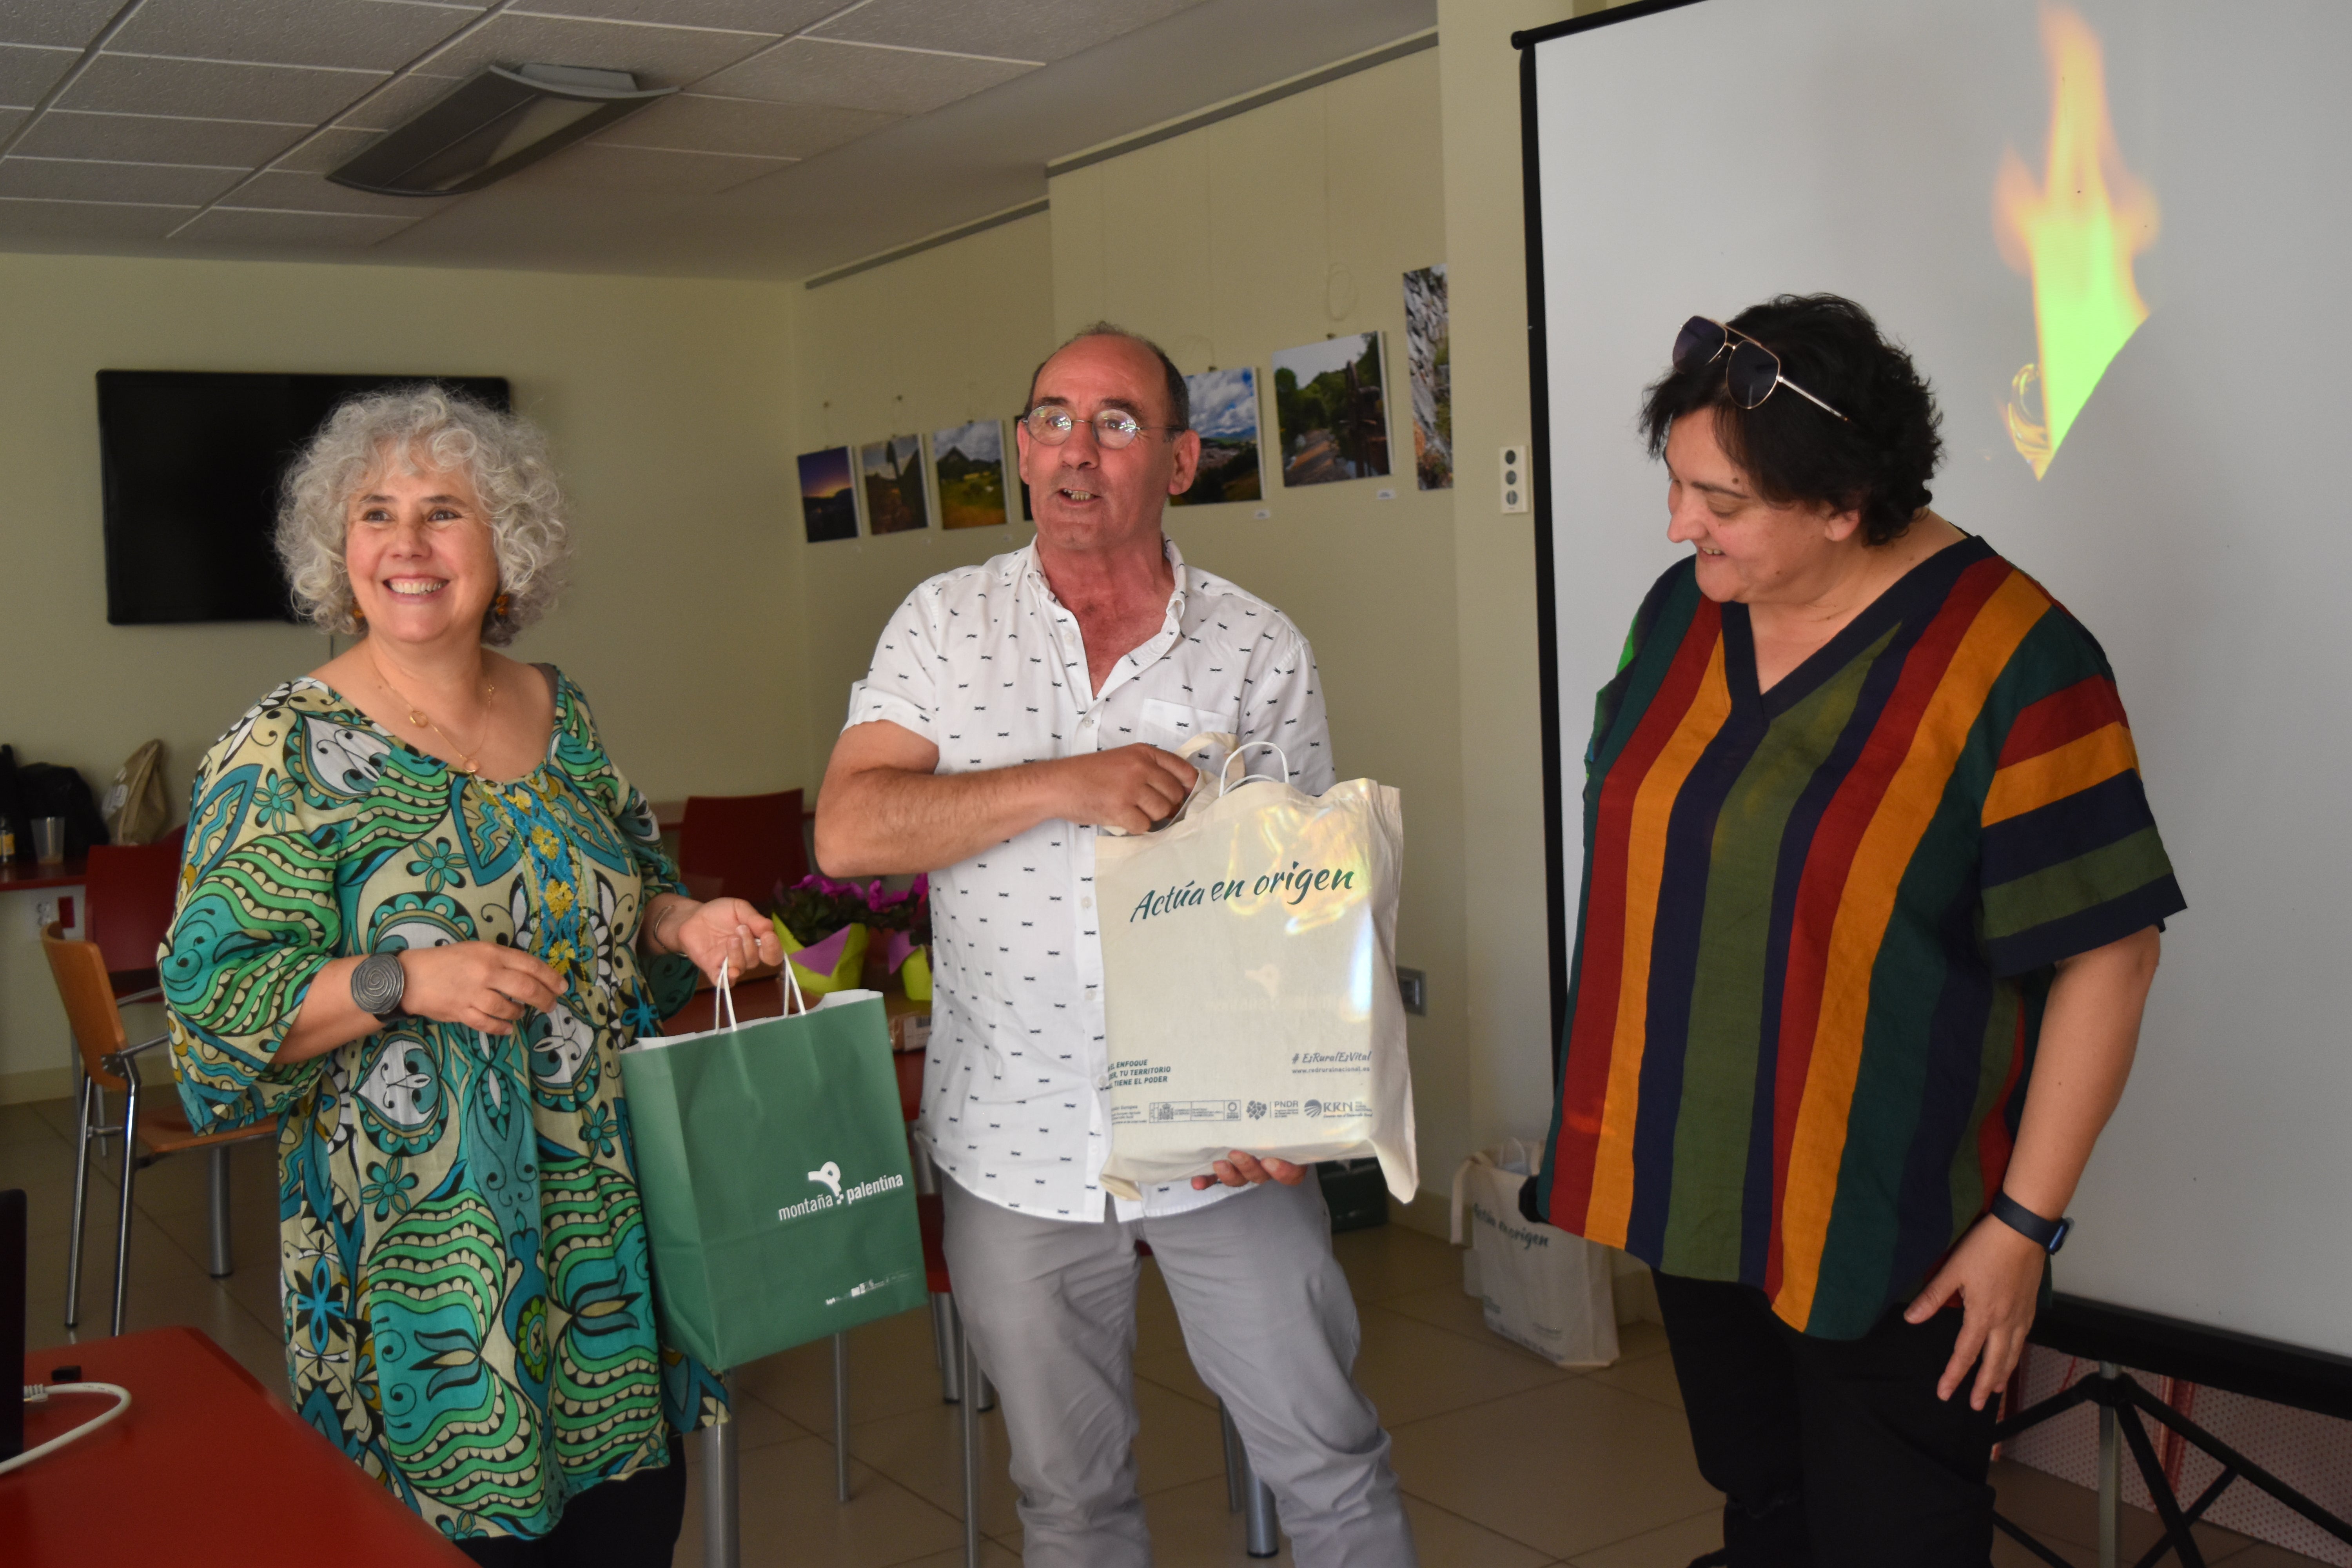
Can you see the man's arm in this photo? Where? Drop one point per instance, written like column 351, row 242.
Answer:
column 882, row 811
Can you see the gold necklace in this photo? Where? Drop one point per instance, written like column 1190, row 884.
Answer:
column 417, row 716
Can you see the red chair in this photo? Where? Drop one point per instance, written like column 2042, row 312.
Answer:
column 748, row 843
column 130, row 889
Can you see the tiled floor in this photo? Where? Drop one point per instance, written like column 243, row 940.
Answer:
column 1507, row 1462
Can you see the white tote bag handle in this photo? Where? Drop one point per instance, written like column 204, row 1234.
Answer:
column 1225, row 780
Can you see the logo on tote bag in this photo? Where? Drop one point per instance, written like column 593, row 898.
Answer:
column 836, row 1195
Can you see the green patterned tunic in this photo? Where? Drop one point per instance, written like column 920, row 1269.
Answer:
column 468, row 1312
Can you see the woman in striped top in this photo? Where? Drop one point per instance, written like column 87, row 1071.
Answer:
column 1870, row 911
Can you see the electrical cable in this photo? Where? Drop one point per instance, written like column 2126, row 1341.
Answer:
column 39, row 1394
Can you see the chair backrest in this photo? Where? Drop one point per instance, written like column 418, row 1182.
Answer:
column 129, row 889
column 750, row 842
column 79, row 970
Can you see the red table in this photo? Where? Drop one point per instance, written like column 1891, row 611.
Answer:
column 203, row 1468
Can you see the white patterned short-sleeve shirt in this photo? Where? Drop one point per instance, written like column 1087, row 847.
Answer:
column 986, row 664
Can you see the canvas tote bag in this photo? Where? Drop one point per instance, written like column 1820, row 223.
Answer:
column 1249, row 980
column 778, row 1189
column 1541, row 1286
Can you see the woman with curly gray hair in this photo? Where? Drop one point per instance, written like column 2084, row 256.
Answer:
column 420, row 914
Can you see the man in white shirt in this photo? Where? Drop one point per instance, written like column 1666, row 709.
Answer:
column 1013, row 709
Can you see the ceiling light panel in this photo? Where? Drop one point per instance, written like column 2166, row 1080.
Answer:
column 157, row 139
column 214, row 90
column 1017, row 29
column 363, row 35
column 26, row 72
column 77, row 180
column 68, row 24
column 692, row 122
column 859, row 76
column 657, row 57
column 493, row 125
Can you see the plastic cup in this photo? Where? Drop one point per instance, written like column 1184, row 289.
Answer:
column 49, row 840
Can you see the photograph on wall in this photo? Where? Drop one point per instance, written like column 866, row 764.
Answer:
column 971, row 461
column 828, row 494
column 1429, row 373
column 895, row 497
column 1224, row 415
column 1328, row 410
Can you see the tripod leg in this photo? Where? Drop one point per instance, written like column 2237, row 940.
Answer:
column 2111, row 1478
column 2159, row 1491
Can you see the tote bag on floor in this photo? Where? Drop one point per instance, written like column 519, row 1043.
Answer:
column 1541, row 1286
column 778, row 1189
column 1249, row 981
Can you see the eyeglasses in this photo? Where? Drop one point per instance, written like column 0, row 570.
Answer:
column 1754, row 371
column 1114, row 427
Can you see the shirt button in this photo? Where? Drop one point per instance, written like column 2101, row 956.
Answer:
column 1086, row 903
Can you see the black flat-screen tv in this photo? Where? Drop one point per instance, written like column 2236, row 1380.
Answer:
column 191, row 462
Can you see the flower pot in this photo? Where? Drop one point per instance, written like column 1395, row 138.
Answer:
column 836, row 963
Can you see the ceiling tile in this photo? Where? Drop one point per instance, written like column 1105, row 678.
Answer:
column 213, row 89
column 857, row 76
column 361, row 35
column 327, row 151
column 602, row 168
column 397, row 102
column 691, row 123
column 771, row 17
column 248, row 226
column 72, row 221
column 86, row 179
column 157, row 139
column 26, row 72
column 302, row 192
column 70, row 23
column 1014, row 29
column 660, row 57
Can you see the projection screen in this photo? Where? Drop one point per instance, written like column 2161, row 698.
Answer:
column 2170, row 483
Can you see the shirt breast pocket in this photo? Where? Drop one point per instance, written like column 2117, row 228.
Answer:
column 1169, row 725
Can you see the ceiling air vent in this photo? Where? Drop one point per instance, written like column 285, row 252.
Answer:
column 500, row 121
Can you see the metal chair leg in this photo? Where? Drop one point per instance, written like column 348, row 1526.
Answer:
column 943, row 1345
column 1243, row 1490
column 81, row 1203
column 721, row 1464
column 1237, row 1465
column 968, row 1419
column 222, row 1265
column 130, row 1172
column 840, row 1417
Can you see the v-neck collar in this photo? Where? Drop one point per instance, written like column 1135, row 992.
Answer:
column 1917, row 591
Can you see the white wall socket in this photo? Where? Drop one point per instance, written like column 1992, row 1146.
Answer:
column 1515, row 478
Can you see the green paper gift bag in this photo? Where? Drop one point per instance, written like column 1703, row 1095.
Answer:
column 777, row 1185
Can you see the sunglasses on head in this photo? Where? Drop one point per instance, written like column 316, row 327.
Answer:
column 1754, row 371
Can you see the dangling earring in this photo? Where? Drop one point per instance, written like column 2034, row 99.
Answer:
column 358, row 617
column 502, row 607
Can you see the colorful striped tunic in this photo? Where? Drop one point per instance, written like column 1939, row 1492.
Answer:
column 1818, row 925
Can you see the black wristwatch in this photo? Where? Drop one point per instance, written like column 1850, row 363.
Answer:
column 378, row 984
column 2049, row 1235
